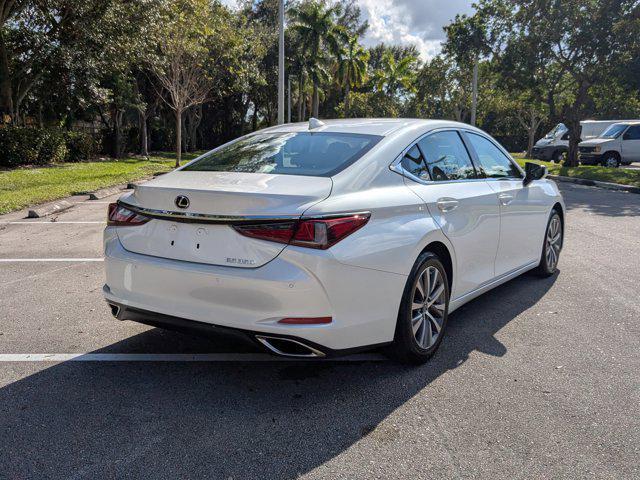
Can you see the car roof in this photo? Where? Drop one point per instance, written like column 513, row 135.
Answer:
column 371, row 126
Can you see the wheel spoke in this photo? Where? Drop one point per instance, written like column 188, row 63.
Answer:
column 420, row 286
column 416, row 305
column 416, row 322
column 436, row 294
column 433, row 321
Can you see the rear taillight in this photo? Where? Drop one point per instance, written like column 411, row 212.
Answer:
column 120, row 216
column 319, row 233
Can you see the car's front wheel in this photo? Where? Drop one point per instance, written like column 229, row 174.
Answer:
column 422, row 318
column 552, row 245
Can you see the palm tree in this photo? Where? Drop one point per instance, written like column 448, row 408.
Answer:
column 352, row 68
column 320, row 36
column 396, row 75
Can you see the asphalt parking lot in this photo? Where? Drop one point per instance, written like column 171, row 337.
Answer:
column 536, row 379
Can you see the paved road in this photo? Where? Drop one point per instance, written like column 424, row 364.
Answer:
column 537, row 379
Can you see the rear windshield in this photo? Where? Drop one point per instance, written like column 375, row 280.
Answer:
column 319, row 154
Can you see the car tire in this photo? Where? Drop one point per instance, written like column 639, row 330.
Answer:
column 419, row 331
column 611, row 160
column 552, row 246
column 557, row 156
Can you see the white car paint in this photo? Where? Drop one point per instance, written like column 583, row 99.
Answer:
column 359, row 281
column 625, row 146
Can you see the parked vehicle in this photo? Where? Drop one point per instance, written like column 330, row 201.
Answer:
column 332, row 237
column 618, row 145
column 555, row 144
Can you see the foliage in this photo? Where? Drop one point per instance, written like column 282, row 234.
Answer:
column 23, row 187
column 53, row 146
column 81, row 146
column 19, row 146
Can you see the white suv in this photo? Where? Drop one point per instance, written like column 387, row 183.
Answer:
column 618, row 144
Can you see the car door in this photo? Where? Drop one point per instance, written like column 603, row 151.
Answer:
column 631, row 144
column 523, row 209
column 465, row 208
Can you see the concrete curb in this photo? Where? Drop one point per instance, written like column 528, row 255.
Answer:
column 105, row 192
column 49, row 208
column 595, row 183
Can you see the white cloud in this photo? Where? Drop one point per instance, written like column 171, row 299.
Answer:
column 405, row 22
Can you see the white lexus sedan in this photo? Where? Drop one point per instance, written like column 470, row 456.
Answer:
column 331, row 237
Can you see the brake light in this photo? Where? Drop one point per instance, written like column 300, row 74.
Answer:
column 120, row 216
column 320, row 233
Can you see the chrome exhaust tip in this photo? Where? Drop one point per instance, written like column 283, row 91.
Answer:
column 287, row 347
column 115, row 310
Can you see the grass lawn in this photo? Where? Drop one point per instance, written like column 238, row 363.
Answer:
column 603, row 174
column 24, row 187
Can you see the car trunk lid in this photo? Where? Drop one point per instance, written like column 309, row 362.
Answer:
column 202, row 231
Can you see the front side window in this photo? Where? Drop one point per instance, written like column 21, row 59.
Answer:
column 633, row 133
column 492, row 162
column 446, row 157
column 316, row 154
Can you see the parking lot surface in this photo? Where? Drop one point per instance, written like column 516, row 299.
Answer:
column 536, row 379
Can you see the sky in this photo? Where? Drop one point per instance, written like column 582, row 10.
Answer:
column 405, row 22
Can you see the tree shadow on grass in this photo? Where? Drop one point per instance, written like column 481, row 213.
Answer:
column 223, row 420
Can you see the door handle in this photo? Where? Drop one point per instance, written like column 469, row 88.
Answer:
column 447, row 204
column 505, row 198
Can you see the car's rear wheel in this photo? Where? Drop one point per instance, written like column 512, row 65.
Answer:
column 422, row 319
column 552, row 245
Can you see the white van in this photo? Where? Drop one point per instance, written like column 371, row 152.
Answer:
column 618, row 144
column 556, row 143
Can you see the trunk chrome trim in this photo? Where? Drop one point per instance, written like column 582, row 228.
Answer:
column 228, row 219
column 205, row 217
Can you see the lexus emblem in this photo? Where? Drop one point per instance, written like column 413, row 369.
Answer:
column 182, row 201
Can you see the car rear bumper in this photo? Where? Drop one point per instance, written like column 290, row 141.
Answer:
column 362, row 303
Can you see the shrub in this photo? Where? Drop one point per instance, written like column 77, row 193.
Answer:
column 19, row 146
column 81, row 146
column 53, row 147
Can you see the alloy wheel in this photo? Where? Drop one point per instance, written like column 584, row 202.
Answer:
column 428, row 307
column 553, row 242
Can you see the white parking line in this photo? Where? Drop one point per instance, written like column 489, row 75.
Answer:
column 18, row 260
column 25, row 222
column 173, row 357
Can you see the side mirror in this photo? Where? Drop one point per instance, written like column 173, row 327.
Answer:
column 533, row 171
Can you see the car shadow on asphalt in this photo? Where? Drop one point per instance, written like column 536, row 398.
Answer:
column 603, row 202
column 224, row 420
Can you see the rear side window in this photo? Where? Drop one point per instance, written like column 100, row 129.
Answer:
column 446, row 157
column 319, row 154
column 413, row 163
column 492, row 162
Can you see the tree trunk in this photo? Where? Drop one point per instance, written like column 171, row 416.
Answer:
column 474, row 94
column 144, row 142
column 178, row 137
column 575, row 130
column 300, row 98
column 347, row 104
column 532, row 138
column 117, row 134
column 315, row 103
column 6, row 90
column 254, row 118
